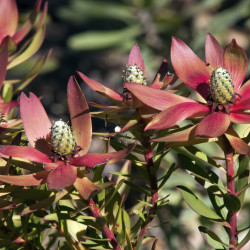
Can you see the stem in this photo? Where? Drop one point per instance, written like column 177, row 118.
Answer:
column 109, row 234
column 232, row 217
column 152, row 182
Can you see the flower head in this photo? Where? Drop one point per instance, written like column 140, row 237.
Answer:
column 60, row 149
column 218, row 81
column 136, row 91
column 134, row 77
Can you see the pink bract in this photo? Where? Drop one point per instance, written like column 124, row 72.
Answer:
column 9, row 20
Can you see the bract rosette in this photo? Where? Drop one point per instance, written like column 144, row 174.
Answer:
column 221, row 106
column 60, row 172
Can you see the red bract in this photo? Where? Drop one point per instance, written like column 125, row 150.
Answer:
column 5, row 107
column 62, row 173
column 9, row 20
column 197, row 75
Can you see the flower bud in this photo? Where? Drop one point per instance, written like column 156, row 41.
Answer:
column 62, row 138
column 221, row 86
column 134, row 74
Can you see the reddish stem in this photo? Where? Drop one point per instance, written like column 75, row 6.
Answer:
column 109, row 234
column 152, row 182
column 232, row 217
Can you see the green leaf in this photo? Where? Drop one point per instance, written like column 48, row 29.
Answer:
column 101, row 221
column 138, row 188
column 215, row 195
column 45, row 203
column 121, row 238
column 200, row 168
column 232, row 203
column 118, row 218
column 92, row 40
column 51, row 217
column 172, row 168
column 198, row 206
column 140, row 213
column 115, row 191
column 242, row 176
column 36, row 69
column 203, row 164
column 207, row 180
column 136, row 228
column 244, row 241
column 76, row 230
column 98, row 171
column 213, row 239
column 35, row 44
column 145, row 203
column 7, row 92
column 129, row 242
column 126, row 221
column 126, row 170
column 160, row 153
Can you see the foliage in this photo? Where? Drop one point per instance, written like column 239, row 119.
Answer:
column 183, row 136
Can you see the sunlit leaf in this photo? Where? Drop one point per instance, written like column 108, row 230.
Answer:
column 198, row 206
column 242, row 176
column 7, row 92
column 245, row 240
column 213, row 239
column 30, row 50
column 76, row 229
column 215, row 196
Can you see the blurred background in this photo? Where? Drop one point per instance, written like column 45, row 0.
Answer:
column 95, row 37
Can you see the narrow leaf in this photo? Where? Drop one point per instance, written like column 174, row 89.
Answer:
column 232, row 203
column 198, row 206
column 244, row 241
column 242, row 176
column 35, row 44
column 45, row 203
column 213, row 239
column 76, row 230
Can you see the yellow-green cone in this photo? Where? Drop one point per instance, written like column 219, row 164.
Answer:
column 221, row 86
column 134, row 74
column 62, row 138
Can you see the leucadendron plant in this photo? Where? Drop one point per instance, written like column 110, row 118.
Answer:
column 55, row 192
